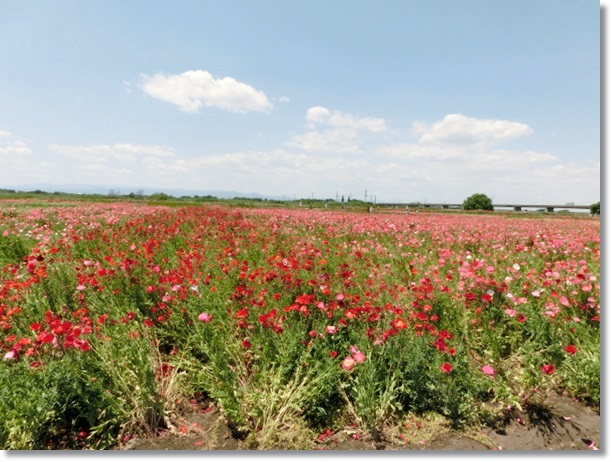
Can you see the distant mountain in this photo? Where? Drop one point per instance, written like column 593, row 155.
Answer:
column 147, row 190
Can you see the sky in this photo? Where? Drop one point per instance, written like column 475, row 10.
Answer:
column 396, row 101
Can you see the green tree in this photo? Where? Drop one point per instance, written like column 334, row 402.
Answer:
column 159, row 196
column 595, row 208
column 478, row 202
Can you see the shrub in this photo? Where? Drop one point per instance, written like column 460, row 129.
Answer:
column 595, row 208
column 478, row 202
column 159, row 196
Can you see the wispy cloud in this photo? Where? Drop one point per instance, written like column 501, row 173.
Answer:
column 319, row 115
column 192, row 90
column 121, row 152
column 12, row 148
column 339, row 141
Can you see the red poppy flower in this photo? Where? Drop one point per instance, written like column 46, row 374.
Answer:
column 446, row 368
column 548, row 369
column 242, row 313
column 571, row 349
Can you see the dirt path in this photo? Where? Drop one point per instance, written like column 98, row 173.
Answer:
column 564, row 424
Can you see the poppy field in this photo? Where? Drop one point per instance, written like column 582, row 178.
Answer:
column 116, row 317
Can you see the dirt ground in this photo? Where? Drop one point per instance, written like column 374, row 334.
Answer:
column 562, row 424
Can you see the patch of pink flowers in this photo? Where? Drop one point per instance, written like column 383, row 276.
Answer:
column 205, row 317
column 488, row 370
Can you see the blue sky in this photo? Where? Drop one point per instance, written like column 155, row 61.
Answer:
column 413, row 101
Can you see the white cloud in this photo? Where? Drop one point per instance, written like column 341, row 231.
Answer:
column 270, row 172
column 12, row 148
column 193, row 89
column 341, row 132
column 16, row 148
column 342, row 153
column 323, row 116
column 341, row 141
column 453, row 157
column 467, row 155
column 121, row 152
column 458, row 129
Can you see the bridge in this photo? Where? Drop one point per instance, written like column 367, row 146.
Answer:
column 515, row 207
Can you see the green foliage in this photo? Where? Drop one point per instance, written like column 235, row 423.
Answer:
column 478, row 202
column 595, row 208
column 44, row 408
column 159, row 196
column 13, row 249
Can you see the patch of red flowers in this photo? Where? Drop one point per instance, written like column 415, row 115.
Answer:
column 548, row 369
column 446, row 368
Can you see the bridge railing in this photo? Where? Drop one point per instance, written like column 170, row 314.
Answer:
column 515, row 207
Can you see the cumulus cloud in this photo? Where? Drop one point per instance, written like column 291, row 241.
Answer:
column 321, row 115
column 336, row 131
column 450, row 157
column 193, row 89
column 462, row 130
column 121, row 152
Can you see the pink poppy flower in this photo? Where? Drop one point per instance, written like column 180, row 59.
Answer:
column 11, row 355
column 348, row 363
column 205, row 317
column 331, row 330
column 359, row 357
column 446, row 368
column 488, row 370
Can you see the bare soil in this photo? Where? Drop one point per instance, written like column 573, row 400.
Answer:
column 560, row 424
